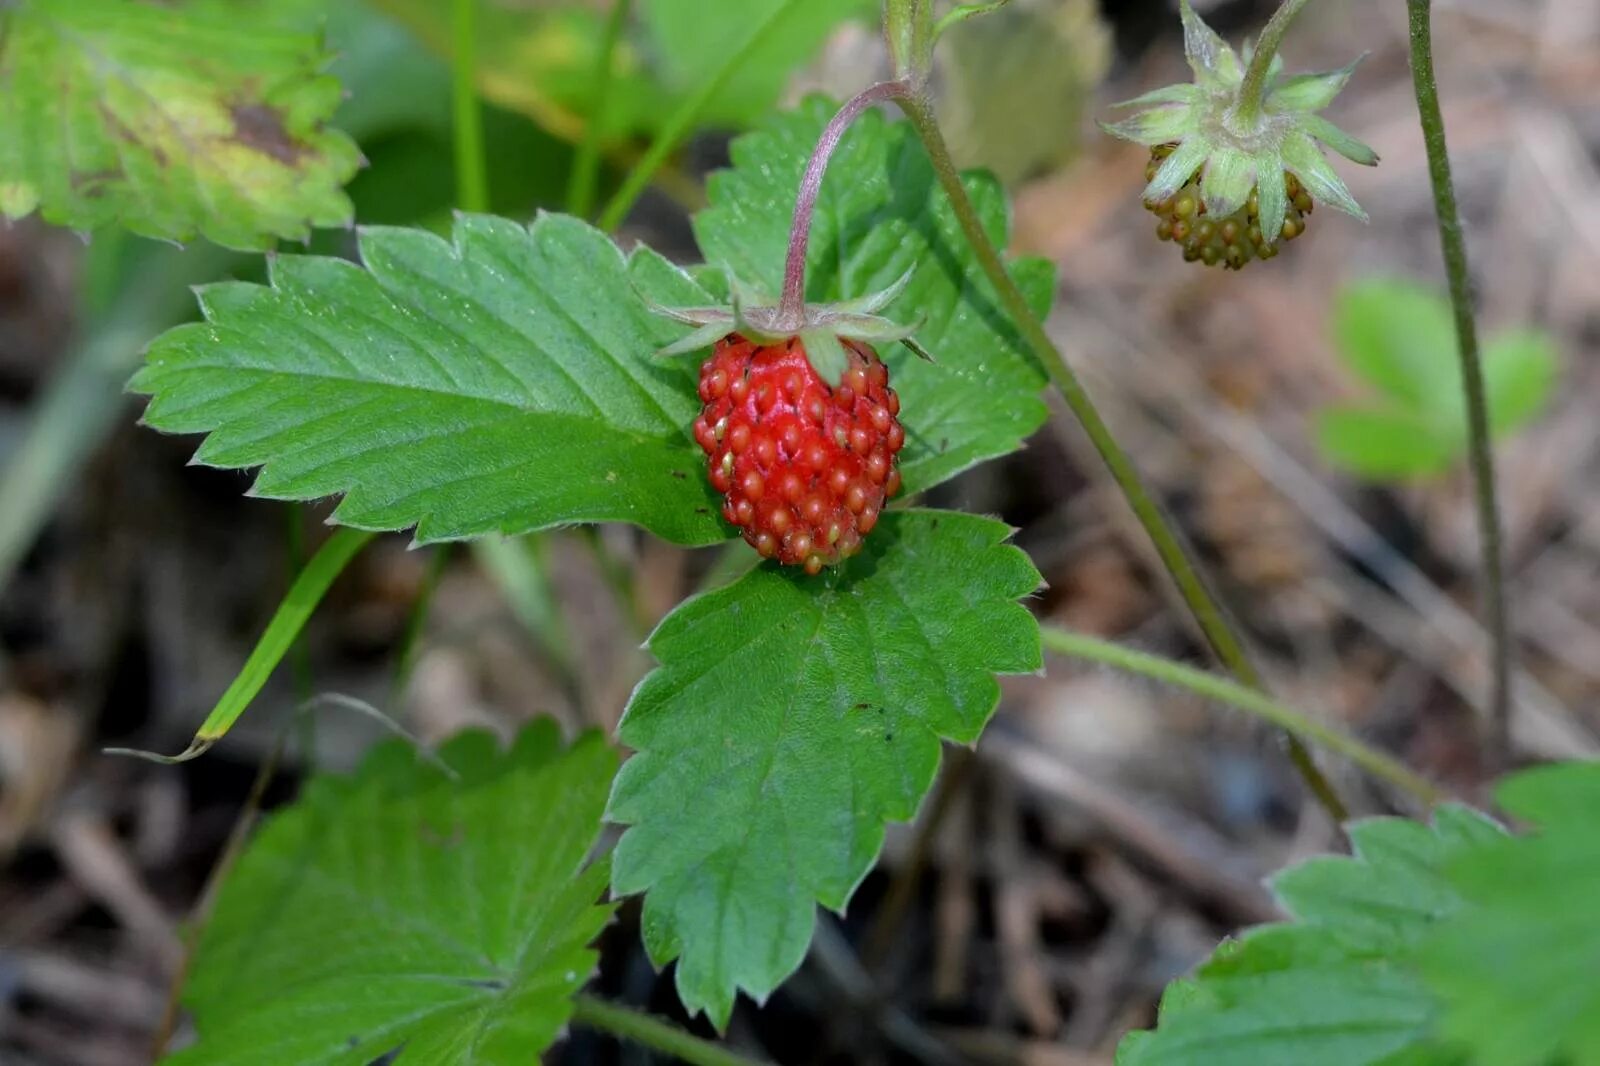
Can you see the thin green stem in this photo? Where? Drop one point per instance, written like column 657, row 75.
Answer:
column 1254, row 88
column 1480, row 449
column 683, row 120
column 472, row 169
column 1207, row 612
column 908, row 27
column 1222, row 690
column 411, row 643
column 583, row 184
column 300, row 652
column 651, row 1032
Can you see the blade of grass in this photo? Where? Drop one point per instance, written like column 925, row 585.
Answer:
column 291, row 616
column 583, row 184
column 682, row 121
column 133, row 290
column 472, row 169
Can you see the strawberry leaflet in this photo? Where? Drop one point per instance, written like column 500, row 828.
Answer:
column 502, row 382
column 790, row 719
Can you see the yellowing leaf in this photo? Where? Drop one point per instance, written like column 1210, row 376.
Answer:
column 173, row 119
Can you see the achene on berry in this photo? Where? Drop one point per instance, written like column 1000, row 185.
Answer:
column 1231, row 241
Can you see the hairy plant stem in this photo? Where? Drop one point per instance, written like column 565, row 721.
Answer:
column 1480, row 448
column 651, row 1032
column 1262, row 706
column 585, row 178
column 792, row 307
column 1208, row 613
column 472, row 170
column 1254, row 88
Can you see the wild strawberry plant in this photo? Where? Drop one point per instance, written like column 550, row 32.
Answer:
column 854, row 336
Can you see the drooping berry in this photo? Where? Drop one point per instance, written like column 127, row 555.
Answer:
column 1233, row 240
column 805, row 469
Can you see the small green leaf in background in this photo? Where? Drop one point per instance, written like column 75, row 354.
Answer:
column 1017, row 81
column 502, row 383
column 1519, row 372
column 1400, row 338
column 1385, row 444
column 1518, row 969
column 790, row 719
column 167, row 119
column 398, row 909
column 1338, row 986
column 881, row 213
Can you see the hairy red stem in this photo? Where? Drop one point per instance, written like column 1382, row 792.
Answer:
column 792, row 308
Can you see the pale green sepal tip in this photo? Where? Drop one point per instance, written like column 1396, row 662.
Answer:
column 1311, row 92
column 1151, row 128
column 826, row 354
column 1352, row 149
column 1229, row 176
column 1305, row 160
column 1183, row 93
column 872, row 303
column 1273, row 202
column 1177, row 170
column 1212, row 59
column 702, row 338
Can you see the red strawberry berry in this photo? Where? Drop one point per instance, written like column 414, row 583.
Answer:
column 804, row 469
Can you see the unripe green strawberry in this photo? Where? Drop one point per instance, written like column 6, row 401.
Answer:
column 1232, row 240
column 805, row 469
column 1237, row 155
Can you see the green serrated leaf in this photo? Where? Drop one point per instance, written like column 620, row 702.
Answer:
column 1338, row 987
column 791, row 718
column 400, row 911
column 1518, row 970
column 1385, row 444
column 167, row 119
column 880, row 214
column 502, row 383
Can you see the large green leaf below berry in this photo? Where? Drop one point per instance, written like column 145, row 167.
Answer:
column 1518, row 970
column 881, row 213
column 1339, row 986
column 174, row 118
column 399, row 909
column 791, row 718
column 501, row 383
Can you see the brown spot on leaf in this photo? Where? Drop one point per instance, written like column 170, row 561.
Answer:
column 259, row 127
column 92, row 183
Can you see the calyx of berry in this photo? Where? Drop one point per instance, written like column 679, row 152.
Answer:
column 1242, row 139
column 821, row 328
